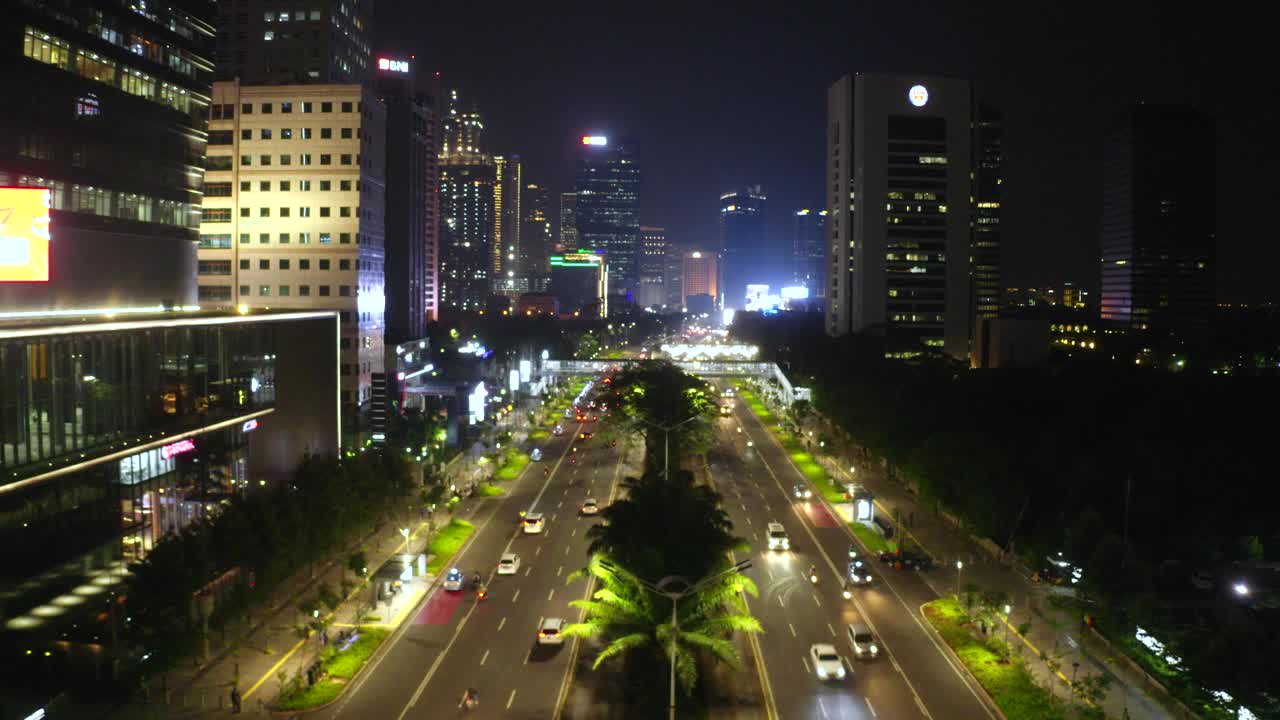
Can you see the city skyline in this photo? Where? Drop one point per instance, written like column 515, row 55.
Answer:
column 1053, row 141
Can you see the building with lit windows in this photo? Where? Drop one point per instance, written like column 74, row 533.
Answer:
column 809, row 252
column 653, row 267
column 607, row 211
column 988, row 186
column 535, row 235
column 107, row 110
column 699, row 275
column 899, row 215
column 673, row 276
column 580, row 283
column 1073, row 296
column 468, row 188
column 118, row 429
column 567, row 238
column 293, row 214
column 412, row 196
column 745, row 255
column 325, row 42
column 509, row 278
column 1159, row 221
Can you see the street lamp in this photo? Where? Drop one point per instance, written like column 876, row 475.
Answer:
column 666, row 438
column 1241, row 589
column 959, row 567
column 667, row 587
column 1008, row 610
column 405, row 533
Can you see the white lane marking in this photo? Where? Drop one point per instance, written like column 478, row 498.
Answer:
column 502, row 623
column 805, row 660
column 567, row 548
column 856, row 603
column 823, row 708
column 559, row 570
column 560, row 504
column 530, row 653
column 793, row 629
column 749, row 520
column 511, row 699
column 528, row 570
column 484, row 657
column 575, row 532
column 767, row 506
column 553, row 517
column 780, row 603
column 815, row 599
column 833, row 630
column 550, row 594
column 869, row 707
column 537, row 550
column 744, row 507
column 517, row 595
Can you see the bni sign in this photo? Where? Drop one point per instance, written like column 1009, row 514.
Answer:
column 400, row 66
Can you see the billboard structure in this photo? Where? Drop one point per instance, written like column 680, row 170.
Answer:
column 24, row 234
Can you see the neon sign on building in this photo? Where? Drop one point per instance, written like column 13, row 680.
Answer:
column 185, row 445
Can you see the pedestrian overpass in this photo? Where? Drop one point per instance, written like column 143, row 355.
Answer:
column 770, row 375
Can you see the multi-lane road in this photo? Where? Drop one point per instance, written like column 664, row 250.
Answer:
column 453, row 641
column 913, row 678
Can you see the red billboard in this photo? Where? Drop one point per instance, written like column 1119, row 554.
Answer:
column 24, row 234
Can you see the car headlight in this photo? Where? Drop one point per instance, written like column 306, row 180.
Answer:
column 822, row 672
column 874, row 649
column 840, row 672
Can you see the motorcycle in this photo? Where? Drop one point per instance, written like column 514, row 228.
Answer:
column 813, row 575
column 482, row 593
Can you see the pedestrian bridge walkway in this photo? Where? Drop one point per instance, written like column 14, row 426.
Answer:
column 764, row 371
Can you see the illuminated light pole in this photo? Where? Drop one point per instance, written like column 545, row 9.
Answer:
column 1241, row 589
column 959, row 568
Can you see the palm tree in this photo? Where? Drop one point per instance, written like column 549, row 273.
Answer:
column 665, row 527
column 628, row 617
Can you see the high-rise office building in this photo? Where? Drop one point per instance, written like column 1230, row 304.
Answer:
column 673, row 276
column 580, row 283
column 508, row 277
column 608, row 208
column 1073, row 296
column 413, row 190
column 809, row 251
column 699, row 275
column 745, row 256
column 327, row 42
column 1159, row 220
column 107, row 112
column 535, row 235
column 988, row 185
column 294, row 214
column 898, row 215
column 567, row 238
column 653, row 267
column 467, row 190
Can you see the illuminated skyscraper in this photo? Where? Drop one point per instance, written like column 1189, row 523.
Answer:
column 327, row 42
column 608, row 208
column 508, row 277
column 568, row 236
column 988, row 187
column 535, row 235
column 1159, row 220
column 745, row 255
column 809, row 251
column 468, row 177
column 899, row 217
column 653, row 266
column 699, row 275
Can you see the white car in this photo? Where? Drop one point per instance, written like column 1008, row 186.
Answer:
column 549, row 631
column 533, row 523
column 453, row 580
column 559, row 429
column 827, row 664
column 778, row 539
column 863, row 641
column 536, row 455
column 590, row 507
column 802, row 492
column 508, row 564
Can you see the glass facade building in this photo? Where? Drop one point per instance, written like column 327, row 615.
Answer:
column 116, row 432
column 745, row 255
column 607, row 211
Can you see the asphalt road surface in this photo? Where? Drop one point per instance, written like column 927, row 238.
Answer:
column 912, row 678
column 452, row 641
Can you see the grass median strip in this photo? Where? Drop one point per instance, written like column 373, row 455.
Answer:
column 1005, row 678
column 513, row 461
column 487, row 490
column 802, row 458
column 340, row 666
column 874, row 541
column 447, row 542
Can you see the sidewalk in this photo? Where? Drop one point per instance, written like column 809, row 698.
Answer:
column 1054, row 631
column 255, row 654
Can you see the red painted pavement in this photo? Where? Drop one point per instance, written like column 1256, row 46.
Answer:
column 439, row 608
column 819, row 516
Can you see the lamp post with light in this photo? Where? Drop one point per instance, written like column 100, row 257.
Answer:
column 959, row 568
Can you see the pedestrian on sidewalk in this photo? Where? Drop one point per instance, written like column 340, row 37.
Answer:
column 235, row 700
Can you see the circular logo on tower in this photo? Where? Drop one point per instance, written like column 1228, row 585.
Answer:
column 918, row 95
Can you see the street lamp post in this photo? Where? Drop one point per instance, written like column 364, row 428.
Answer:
column 666, row 588
column 666, row 440
column 959, row 568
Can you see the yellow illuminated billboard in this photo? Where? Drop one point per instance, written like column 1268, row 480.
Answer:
column 24, row 234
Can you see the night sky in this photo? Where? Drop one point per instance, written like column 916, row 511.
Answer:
column 732, row 93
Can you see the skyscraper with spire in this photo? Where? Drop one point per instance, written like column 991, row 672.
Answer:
column 468, row 178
